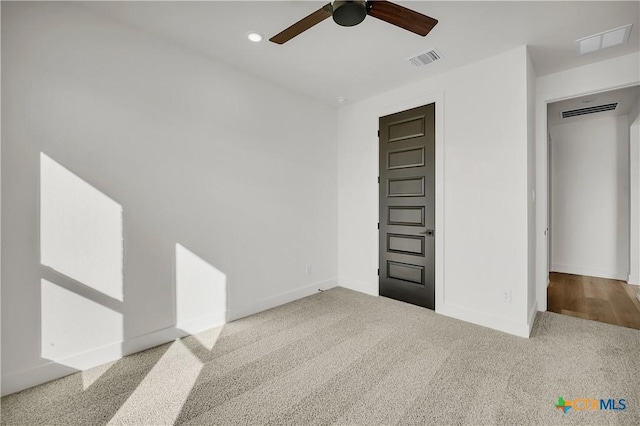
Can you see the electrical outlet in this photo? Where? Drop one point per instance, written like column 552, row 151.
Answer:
column 309, row 272
column 506, row 295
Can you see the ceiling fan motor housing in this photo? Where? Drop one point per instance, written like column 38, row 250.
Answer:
column 349, row 13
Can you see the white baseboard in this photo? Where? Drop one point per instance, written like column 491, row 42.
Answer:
column 486, row 320
column 83, row 361
column 361, row 286
column 531, row 318
column 198, row 325
column 15, row 382
column 541, row 301
column 279, row 299
column 633, row 279
column 464, row 314
column 588, row 271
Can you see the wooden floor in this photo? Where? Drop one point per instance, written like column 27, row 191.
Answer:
column 598, row 299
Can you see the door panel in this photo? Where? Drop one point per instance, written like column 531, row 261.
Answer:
column 410, row 128
column 406, row 272
column 405, row 244
column 406, row 187
column 405, row 158
column 406, row 215
column 407, row 206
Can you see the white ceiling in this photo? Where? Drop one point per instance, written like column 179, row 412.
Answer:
column 627, row 99
column 329, row 61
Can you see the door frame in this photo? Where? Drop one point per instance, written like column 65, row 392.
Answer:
column 438, row 99
column 543, row 211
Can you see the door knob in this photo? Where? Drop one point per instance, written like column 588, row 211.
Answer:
column 429, row 232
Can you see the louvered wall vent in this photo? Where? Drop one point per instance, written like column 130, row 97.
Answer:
column 589, row 110
column 425, row 58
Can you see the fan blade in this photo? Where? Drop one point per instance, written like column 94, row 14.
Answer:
column 402, row 17
column 303, row 25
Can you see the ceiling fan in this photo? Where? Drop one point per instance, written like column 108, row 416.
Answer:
column 350, row 13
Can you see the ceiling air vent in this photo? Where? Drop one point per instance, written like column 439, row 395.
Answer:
column 425, row 58
column 589, row 110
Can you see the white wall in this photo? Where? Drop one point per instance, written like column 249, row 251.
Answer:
column 590, row 196
column 532, row 303
column 483, row 168
column 634, row 197
column 615, row 73
column 213, row 169
column 0, row 199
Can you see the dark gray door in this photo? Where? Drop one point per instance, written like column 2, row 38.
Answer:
column 407, row 206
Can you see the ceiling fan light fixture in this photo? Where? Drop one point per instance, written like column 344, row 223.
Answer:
column 254, row 36
column 349, row 13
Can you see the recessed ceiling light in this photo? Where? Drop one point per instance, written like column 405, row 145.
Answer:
column 342, row 99
column 604, row 39
column 254, row 36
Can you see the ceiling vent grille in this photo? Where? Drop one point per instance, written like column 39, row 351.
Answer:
column 425, row 58
column 589, row 110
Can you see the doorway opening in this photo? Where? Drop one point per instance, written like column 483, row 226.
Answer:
column 593, row 192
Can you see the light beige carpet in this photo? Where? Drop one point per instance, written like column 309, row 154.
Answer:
column 341, row 357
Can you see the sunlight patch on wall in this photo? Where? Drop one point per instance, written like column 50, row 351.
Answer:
column 201, row 292
column 80, row 230
column 72, row 324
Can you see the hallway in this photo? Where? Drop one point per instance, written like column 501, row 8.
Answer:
column 598, row 299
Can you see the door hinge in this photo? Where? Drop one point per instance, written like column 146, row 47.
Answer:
column 378, row 271
column 378, row 133
column 378, row 225
column 378, row 179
